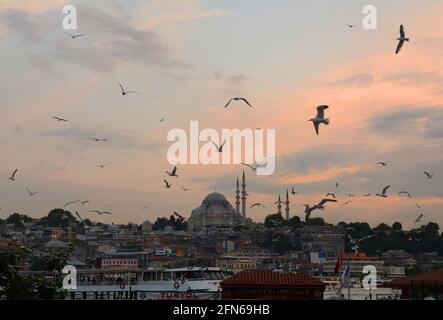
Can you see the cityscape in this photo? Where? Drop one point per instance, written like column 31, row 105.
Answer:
column 221, row 150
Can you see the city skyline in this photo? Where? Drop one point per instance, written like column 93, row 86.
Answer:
column 188, row 58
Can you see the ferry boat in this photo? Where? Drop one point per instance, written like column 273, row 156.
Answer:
column 194, row 283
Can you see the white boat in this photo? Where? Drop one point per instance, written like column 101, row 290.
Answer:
column 194, row 283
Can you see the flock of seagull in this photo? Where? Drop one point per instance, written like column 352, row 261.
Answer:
column 318, row 120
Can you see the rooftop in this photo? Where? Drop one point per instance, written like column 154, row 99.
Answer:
column 431, row 277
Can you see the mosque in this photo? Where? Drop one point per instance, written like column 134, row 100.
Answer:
column 217, row 215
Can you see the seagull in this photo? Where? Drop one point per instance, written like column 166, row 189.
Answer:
column 368, row 195
column 12, row 177
column 219, row 148
column 419, row 218
column 185, row 189
column 417, row 205
column 74, row 35
column 405, row 193
column 60, row 119
column 351, row 25
column 68, row 203
column 383, row 194
column 257, row 204
column 383, row 164
column 320, row 118
column 31, row 193
column 82, row 202
column 337, row 185
column 319, row 206
column 255, row 165
column 173, row 173
column 101, row 212
column 401, row 40
column 101, row 166
column 330, row 194
column 126, row 92
column 78, row 215
column 293, row 191
column 144, row 208
column 357, row 241
column 162, row 120
column 429, row 175
column 351, row 195
column 238, row 99
column 99, row 140
column 346, row 203
column 167, row 183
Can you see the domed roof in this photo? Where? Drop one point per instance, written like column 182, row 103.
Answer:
column 56, row 244
column 215, row 196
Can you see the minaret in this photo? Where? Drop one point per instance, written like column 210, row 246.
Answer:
column 287, row 205
column 279, row 205
column 243, row 196
column 237, row 197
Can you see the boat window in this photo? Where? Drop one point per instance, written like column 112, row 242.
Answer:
column 167, row 276
column 196, row 275
column 209, row 275
column 147, row 276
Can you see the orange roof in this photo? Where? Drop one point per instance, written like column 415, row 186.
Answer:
column 427, row 277
column 266, row 278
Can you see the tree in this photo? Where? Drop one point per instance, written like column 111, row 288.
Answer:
column 295, row 222
column 316, row 222
column 273, row 221
column 397, row 226
column 58, row 218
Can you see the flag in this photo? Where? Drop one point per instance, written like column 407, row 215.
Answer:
column 337, row 265
column 346, row 273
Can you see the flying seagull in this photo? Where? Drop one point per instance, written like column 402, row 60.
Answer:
column 31, row 193
column 100, row 212
column 12, row 177
column 383, row 194
column 82, row 202
column 78, row 215
column 351, row 195
column 185, row 189
column 74, row 35
column 293, row 191
column 99, row 139
column 401, row 40
column 346, row 203
column 419, row 218
column 337, row 185
column 68, row 203
column 257, row 204
column 101, row 166
column 319, row 206
column 167, row 185
column 173, row 173
column 405, row 193
column 351, row 25
column 126, row 92
column 238, row 99
column 144, row 208
column 162, row 120
column 330, row 194
column 255, row 165
column 368, row 195
column 60, row 119
column 417, row 205
column 429, row 175
column 219, row 148
column 320, row 118
column 383, row 164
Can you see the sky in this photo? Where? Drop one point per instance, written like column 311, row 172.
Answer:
column 187, row 58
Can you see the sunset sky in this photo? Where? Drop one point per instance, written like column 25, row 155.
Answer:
column 187, row 58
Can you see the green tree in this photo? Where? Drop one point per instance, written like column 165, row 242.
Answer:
column 273, row 221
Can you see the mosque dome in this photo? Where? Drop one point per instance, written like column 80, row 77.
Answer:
column 214, row 197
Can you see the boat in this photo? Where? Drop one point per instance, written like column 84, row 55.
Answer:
column 194, row 283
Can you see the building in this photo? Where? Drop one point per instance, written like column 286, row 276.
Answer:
column 325, row 239
column 420, row 286
column 215, row 215
column 357, row 262
column 236, row 264
column 271, row 285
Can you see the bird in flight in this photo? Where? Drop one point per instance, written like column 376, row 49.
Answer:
column 68, row 203
column 330, row 194
column 82, row 202
column 60, row 119
column 351, row 25
column 257, row 204
column 368, row 195
column 12, row 177
column 383, row 164
column 418, row 206
column 162, row 120
column 293, row 191
column 255, row 165
column 219, row 148
column 74, row 35
column 100, row 212
column 124, row 93
column 319, row 206
column 401, row 40
column 185, row 189
column 351, row 195
column 173, row 173
column 429, row 175
column 31, row 193
column 406, row 193
column 346, row 203
column 419, row 218
column 78, row 216
column 144, row 208
column 320, row 118
column 99, row 139
column 337, row 185
column 167, row 185
column 101, row 166
column 384, row 192
column 238, row 99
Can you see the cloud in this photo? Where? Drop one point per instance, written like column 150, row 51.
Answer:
column 358, row 80
column 414, row 78
column 109, row 41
